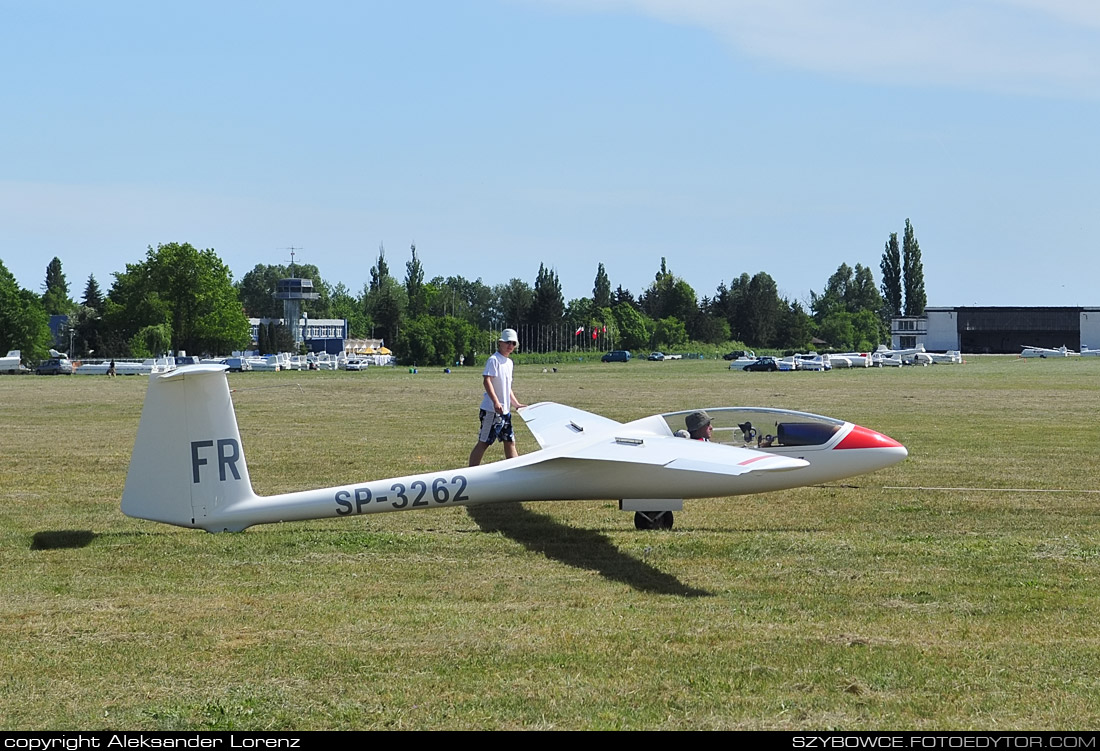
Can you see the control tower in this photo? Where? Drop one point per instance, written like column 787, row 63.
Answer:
column 292, row 291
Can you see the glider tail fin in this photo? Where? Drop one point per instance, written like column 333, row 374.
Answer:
column 187, row 462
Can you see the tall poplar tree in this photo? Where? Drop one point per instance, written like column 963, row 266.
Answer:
column 384, row 301
column 601, row 289
column 414, row 286
column 915, row 298
column 55, row 299
column 547, row 308
column 891, row 276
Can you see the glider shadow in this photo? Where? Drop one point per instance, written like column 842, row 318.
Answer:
column 62, row 539
column 580, row 548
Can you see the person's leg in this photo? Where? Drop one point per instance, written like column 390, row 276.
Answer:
column 478, row 453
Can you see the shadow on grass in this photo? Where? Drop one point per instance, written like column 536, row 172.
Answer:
column 63, row 538
column 579, row 548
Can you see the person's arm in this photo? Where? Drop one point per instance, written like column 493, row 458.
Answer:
column 516, row 404
column 498, row 406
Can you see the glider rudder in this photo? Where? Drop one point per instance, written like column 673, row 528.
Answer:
column 187, row 461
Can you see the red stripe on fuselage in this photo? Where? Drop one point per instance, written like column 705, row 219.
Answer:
column 862, row 438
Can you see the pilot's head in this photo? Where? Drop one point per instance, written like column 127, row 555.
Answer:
column 698, row 425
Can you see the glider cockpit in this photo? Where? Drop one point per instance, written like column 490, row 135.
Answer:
column 762, row 428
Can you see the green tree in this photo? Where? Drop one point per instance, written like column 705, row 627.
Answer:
column 850, row 290
column 473, row 301
column 384, row 302
column 281, row 337
column 23, row 322
column 669, row 295
column 623, row 296
column 345, row 306
column 263, row 343
column 380, row 272
column 430, row 340
column 87, row 327
column 256, row 290
column 867, row 329
column 763, row 312
column 151, row 341
column 386, row 312
column 516, row 299
column 55, row 298
column 864, row 295
column 669, row 333
column 796, row 328
column 601, row 289
column 837, row 330
column 93, row 298
column 547, row 309
column 730, row 303
column 833, row 299
column 913, row 269
column 890, row 266
column 189, row 290
column 580, row 312
column 414, row 286
column 633, row 326
column 708, row 327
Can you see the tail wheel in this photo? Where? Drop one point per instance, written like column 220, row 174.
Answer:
column 653, row 520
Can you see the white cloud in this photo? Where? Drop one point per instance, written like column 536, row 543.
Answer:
column 1018, row 46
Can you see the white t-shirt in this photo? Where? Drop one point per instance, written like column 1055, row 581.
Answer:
column 499, row 369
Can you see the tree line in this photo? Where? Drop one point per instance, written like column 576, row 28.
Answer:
column 183, row 298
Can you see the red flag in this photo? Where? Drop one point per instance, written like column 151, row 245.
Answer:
column 579, row 331
column 594, row 333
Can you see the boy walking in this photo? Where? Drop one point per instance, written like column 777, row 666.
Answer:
column 496, row 405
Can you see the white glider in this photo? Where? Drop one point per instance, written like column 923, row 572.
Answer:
column 188, row 466
column 1045, row 352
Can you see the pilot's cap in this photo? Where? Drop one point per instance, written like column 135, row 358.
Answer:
column 697, row 421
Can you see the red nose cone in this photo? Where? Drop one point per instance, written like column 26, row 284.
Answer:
column 862, row 438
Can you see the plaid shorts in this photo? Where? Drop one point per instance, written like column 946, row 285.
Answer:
column 495, row 427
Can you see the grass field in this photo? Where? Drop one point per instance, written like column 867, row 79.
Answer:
column 883, row 602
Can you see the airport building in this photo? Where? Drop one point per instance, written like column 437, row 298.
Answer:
column 997, row 330
column 318, row 334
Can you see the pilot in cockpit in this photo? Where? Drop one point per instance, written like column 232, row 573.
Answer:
column 699, row 426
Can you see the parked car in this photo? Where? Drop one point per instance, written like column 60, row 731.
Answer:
column 742, row 362
column 656, row 356
column 618, row 355
column 763, row 364
column 356, row 364
column 55, row 366
column 738, row 354
column 813, row 361
column 237, row 364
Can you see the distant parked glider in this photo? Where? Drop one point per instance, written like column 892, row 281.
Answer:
column 1044, row 352
column 188, row 466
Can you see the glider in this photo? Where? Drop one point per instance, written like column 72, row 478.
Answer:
column 188, row 466
column 1044, row 352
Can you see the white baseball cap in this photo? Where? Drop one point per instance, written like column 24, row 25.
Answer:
column 509, row 335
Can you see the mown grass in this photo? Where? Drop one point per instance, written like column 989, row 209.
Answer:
column 869, row 603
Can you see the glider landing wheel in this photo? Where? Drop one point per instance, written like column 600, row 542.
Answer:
column 653, row 520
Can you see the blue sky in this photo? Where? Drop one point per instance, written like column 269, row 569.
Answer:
column 729, row 137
